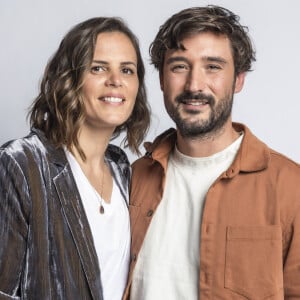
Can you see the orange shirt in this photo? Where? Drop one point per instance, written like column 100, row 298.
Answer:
column 250, row 231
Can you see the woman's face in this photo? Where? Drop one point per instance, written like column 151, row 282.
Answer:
column 111, row 84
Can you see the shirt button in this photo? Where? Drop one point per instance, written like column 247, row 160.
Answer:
column 150, row 213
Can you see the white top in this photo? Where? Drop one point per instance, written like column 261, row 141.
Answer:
column 111, row 232
column 168, row 263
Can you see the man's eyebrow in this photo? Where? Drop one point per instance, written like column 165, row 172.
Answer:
column 217, row 59
column 176, row 59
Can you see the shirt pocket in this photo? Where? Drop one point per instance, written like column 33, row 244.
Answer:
column 253, row 266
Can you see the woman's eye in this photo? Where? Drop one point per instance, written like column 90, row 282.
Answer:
column 127, row 71
column 97, row 69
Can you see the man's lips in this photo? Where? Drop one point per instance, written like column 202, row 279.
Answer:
column 195, row 99
column 194, row 102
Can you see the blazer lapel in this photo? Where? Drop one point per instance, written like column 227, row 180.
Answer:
column 79, row 227
column 74, row 212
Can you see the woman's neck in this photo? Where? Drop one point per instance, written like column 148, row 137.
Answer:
column 94, row 144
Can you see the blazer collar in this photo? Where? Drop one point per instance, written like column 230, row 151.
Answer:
column 114, row 156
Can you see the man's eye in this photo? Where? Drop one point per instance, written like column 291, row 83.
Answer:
column 179, row 68
column 214, row 68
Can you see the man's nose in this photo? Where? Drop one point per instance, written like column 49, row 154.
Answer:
column 195, row 81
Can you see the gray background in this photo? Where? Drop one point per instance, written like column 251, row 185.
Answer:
column 269, row 104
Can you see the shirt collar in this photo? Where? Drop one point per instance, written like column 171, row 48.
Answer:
column 252, row 156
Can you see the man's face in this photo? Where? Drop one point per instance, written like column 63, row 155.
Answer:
column 198, row 84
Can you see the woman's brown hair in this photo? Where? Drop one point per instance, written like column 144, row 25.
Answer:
column 59, row 110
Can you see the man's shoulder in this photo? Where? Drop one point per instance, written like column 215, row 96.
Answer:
column 255, row 155
column 161, row 145
column 283, row 162
column 157, row 152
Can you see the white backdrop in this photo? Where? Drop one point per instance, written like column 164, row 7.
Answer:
column 269, row 104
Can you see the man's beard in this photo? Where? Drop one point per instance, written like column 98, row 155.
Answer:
column 218, row 116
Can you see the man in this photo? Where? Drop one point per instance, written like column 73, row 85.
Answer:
column 215, row 213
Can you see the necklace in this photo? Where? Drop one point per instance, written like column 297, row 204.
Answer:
column 101, row 208
column 100, row 197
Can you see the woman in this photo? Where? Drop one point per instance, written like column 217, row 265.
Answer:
column 64, row 222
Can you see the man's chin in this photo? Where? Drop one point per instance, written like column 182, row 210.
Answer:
column 192, row 130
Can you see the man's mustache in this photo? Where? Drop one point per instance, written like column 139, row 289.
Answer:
column 183, row 97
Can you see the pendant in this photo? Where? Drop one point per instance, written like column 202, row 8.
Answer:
column 101, row 209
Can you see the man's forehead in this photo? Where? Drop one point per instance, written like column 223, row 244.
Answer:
column 205, row 44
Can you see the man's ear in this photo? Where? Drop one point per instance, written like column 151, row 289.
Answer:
column 239, row 82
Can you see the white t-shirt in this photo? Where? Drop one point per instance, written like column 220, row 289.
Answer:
column 111, row 232
column 168, row 263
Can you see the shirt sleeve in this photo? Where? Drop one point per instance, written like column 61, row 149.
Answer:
column 291, row 269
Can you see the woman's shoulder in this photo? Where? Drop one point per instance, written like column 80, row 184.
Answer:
column 22, row 148
column 20, row 144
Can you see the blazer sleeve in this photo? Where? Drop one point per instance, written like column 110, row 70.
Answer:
column 14, row 207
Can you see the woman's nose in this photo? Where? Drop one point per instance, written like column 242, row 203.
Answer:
column 114, row 79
